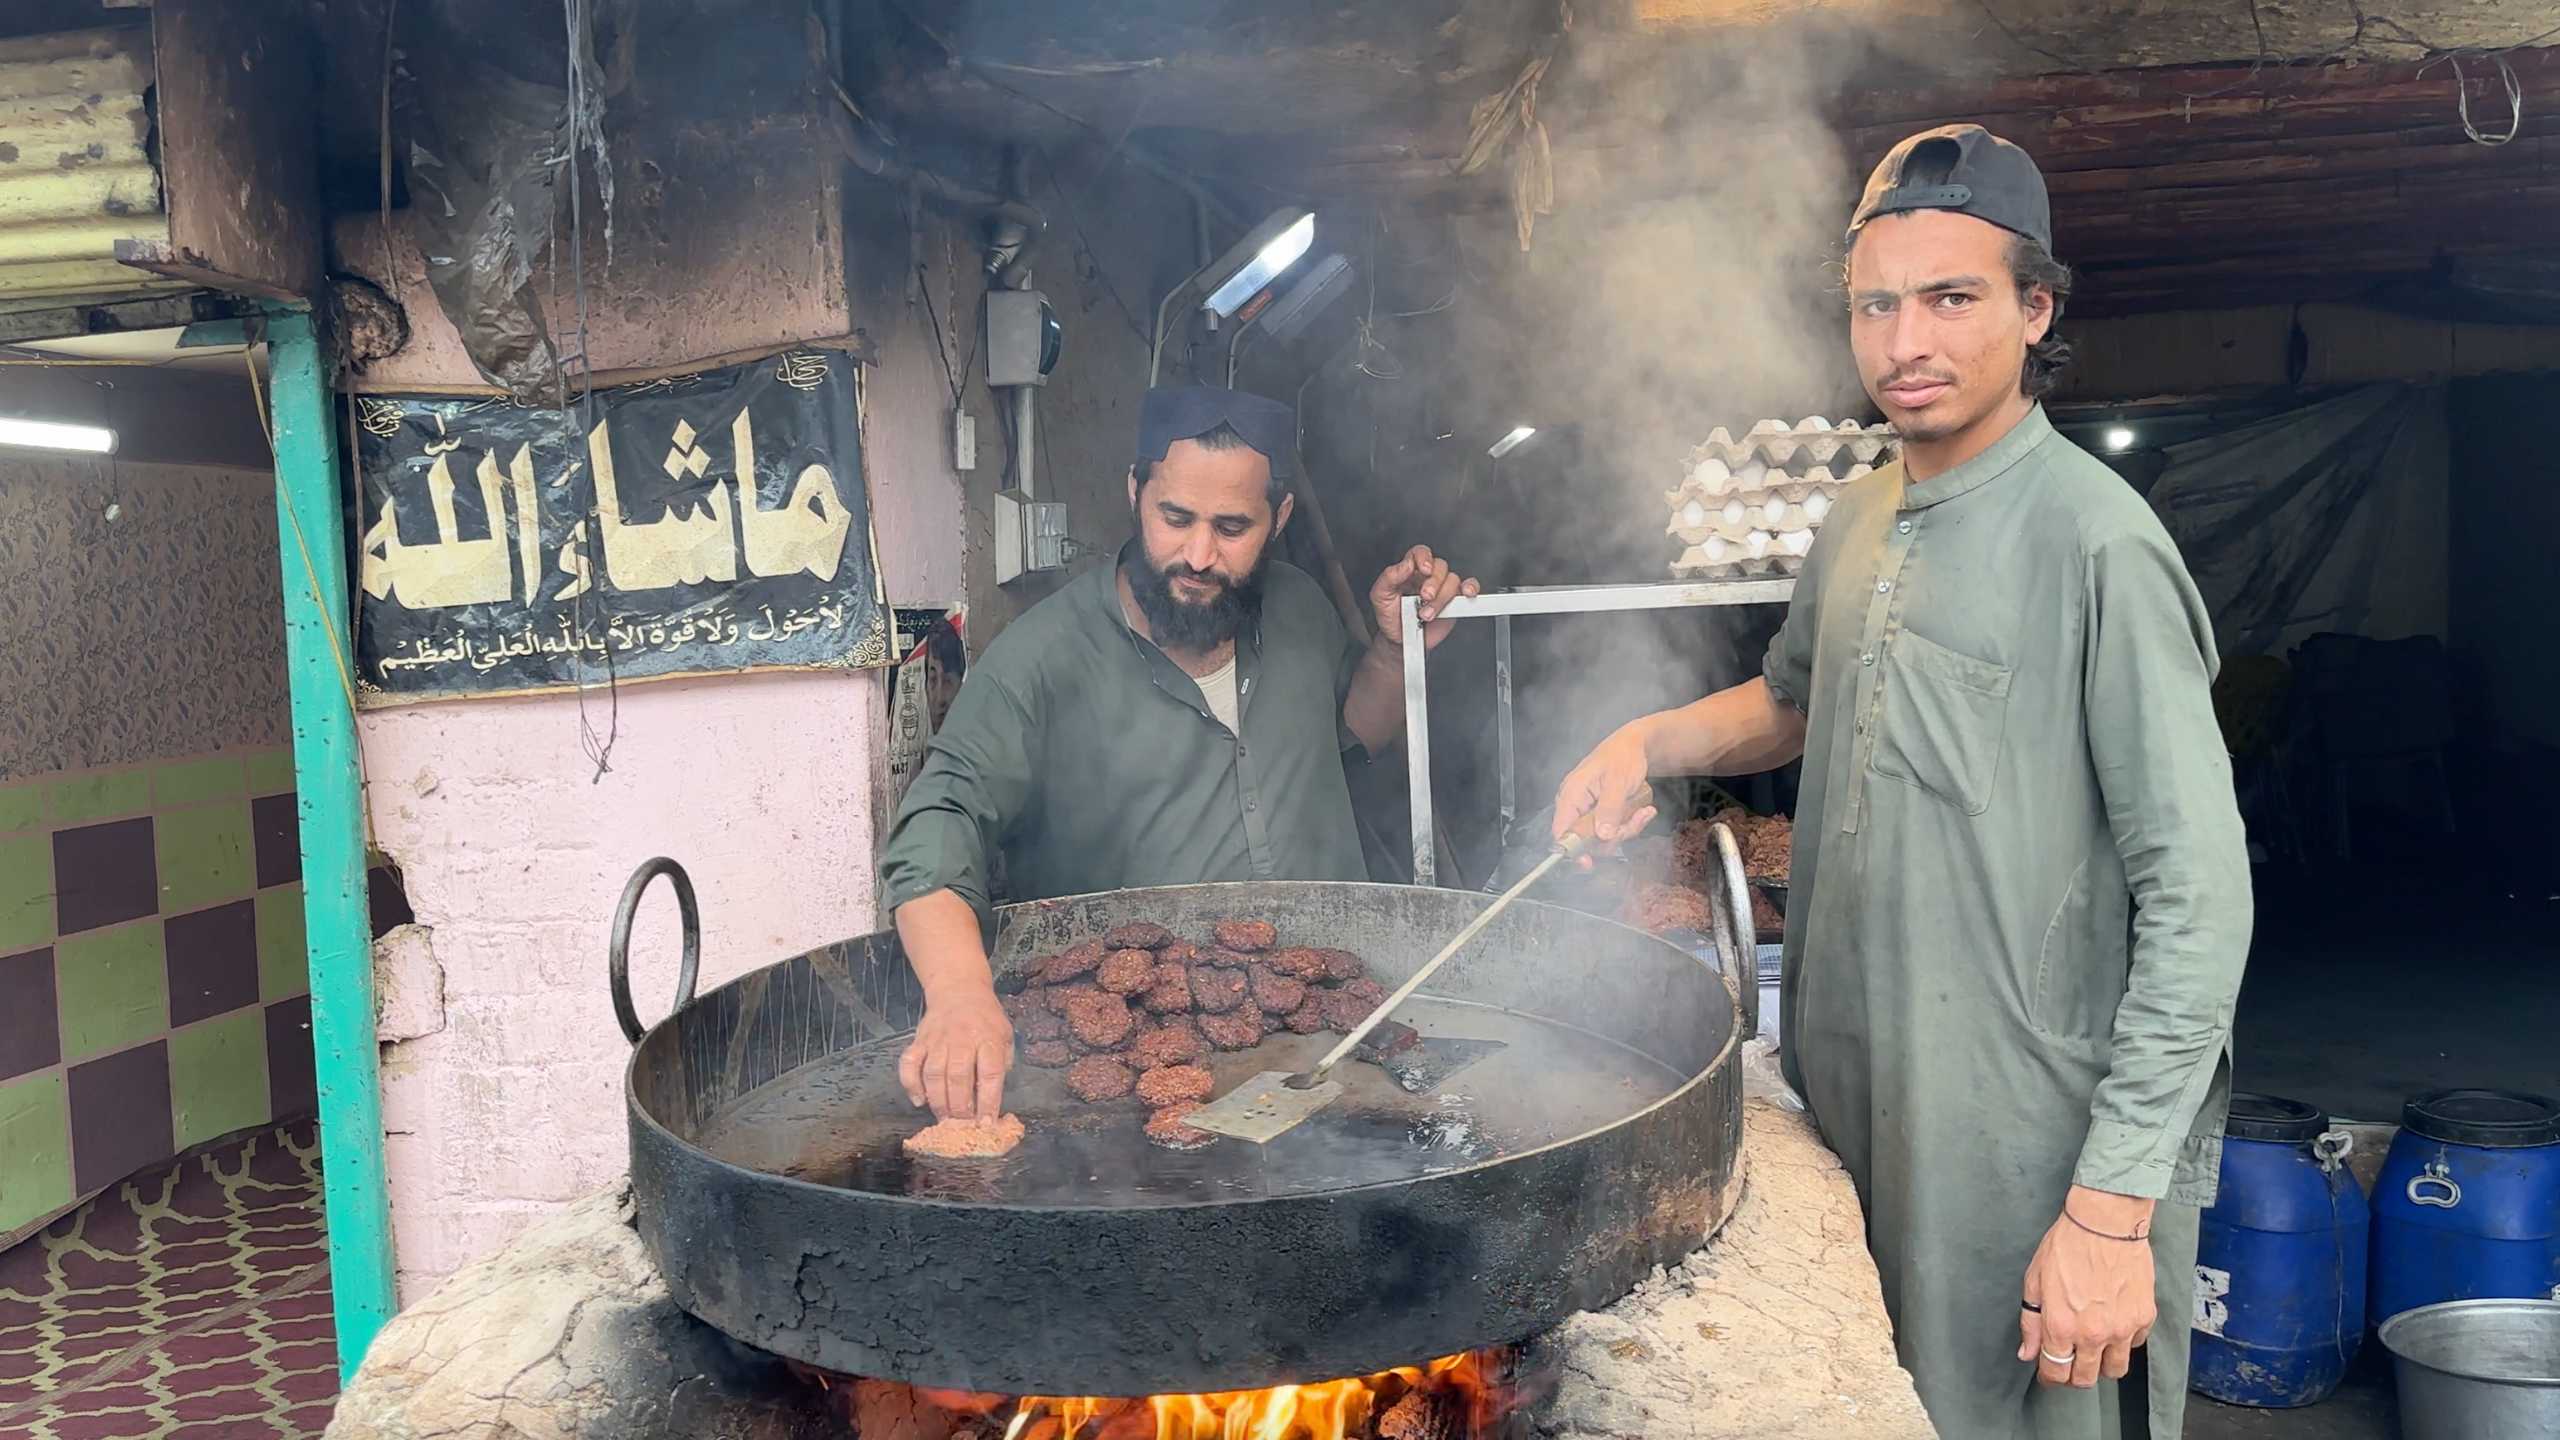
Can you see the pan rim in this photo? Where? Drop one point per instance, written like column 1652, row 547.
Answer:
column 1705, row 1074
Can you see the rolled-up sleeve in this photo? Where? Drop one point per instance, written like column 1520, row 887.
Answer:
column 977, row 777
column 2161, row 766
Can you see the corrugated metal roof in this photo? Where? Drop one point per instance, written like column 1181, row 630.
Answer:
column 76, row 171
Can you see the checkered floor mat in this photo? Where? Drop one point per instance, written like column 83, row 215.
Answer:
column 190, row 1302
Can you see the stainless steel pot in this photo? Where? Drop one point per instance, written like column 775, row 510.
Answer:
column 2477, row 1369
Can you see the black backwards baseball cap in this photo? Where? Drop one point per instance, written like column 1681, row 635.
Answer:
column 1187, row 412
column 1963, row 168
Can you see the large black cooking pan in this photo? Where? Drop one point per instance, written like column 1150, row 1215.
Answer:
column 1549, row 1178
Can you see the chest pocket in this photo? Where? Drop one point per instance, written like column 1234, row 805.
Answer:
column 1944, row 721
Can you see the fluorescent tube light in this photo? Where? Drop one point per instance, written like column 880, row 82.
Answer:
column 1276, row 255
column 53, row 435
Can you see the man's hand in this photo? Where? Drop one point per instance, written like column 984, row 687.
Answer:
column 1610, row 785
column 2089, row 1299
column 957, row 1062
column 1419, row 573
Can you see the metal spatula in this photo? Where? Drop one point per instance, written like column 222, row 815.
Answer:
column 1274, row 1102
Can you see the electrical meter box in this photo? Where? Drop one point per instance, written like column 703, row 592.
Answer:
column 1023, row 338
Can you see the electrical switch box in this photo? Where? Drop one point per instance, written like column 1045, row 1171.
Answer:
column 1023, row 337
column 1031, row 536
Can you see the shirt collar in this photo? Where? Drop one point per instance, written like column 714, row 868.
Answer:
column 2002, row 457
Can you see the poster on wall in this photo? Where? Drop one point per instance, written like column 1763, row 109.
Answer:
column 705, row 524
column 926, row 680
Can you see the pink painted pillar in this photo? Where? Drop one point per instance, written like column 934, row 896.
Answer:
column 506, row 1096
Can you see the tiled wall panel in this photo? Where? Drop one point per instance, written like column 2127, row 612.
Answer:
column 154, row 990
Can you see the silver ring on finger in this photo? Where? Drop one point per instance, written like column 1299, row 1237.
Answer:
column 2063, row 1359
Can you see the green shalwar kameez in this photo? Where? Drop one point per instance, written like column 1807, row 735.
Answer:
column 2022, row 902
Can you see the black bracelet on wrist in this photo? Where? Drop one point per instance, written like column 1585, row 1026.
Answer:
column 2141, row 1232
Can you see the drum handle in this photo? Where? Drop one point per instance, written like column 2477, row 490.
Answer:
column 618, row 949
column 2331, row 1149
column 2438, row 1177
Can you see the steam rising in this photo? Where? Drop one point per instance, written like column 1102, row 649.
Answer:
column 1642, row 319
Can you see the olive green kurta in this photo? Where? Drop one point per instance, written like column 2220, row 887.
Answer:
column 2022, row 901
column 1091, row 762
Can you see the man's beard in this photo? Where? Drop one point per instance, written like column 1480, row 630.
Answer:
column 1189, row 626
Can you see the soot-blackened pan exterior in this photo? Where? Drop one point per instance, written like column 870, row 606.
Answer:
column 1176, row 1298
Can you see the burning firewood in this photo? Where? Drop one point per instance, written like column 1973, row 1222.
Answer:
column 1425, row 1415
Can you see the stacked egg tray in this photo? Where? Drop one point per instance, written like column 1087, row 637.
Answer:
column 1749, row 506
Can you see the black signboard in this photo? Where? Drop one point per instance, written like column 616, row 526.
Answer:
column 716, row 522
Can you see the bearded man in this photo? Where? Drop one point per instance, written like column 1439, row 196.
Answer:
column 1179, row 717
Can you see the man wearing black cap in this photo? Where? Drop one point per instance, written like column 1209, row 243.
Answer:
column 1177, row 718
column 2021, row 894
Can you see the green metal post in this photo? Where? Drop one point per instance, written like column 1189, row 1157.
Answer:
column 310, row 534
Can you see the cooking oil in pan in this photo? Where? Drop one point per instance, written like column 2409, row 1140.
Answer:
column 839, row 1121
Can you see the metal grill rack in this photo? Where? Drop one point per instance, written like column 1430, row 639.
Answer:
column 1502, row 609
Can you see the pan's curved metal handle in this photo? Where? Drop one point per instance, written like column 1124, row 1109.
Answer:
column 1737, row 939
column 618, row 950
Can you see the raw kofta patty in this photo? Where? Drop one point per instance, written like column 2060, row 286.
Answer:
column 1216, row 989
column 1097, row 1078
column 1138, row 935
column 1073, row 963
column 1275, row 992
column 967, row 1139
column 1100, row 1020
column 1175, row 1084
column 1171, row 1043
column 1236, row 1030
column 1658, row 908
column 1250, row 936
column 1049, row 1054
column 1165, row 1128
column 1126, row 972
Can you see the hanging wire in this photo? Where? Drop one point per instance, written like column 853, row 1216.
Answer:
column 1075, row 222
column 597, row 747
column 924, row 286
column 1368, row 323
column 2462, row 95
column 390, row 262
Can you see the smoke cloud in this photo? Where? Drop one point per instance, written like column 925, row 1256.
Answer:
column 1645, row 315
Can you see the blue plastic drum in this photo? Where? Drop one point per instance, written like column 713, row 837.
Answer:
column 2280, row 1261
column 2468, row 1204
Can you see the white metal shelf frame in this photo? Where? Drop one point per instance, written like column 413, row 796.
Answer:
column 1502, row 609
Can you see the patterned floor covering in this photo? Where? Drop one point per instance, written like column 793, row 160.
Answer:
column 191, row 1302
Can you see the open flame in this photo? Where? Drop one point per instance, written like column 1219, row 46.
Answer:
column 1452, row 1398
